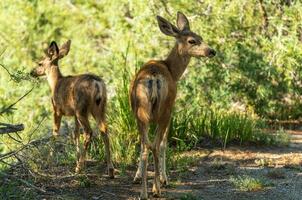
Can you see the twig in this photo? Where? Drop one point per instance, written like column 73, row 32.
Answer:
column 11, row 165
column 23, row 181
column 12, row 105
column 30, row 135
column 31, row 143
column 50, row 176
column 11, row 137
column 6, row 69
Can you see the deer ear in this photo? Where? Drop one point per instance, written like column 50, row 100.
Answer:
column 64, row 49
column 166, row 27
column 53, row 50
column 182, row 22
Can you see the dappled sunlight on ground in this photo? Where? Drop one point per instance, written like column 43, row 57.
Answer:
column 203, row 173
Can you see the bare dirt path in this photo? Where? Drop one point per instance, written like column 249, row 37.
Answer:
column 203, row 174
column 200, row 174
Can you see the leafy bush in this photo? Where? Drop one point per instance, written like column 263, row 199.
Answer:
column 257, row 68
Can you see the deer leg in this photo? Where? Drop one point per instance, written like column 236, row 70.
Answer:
column 55, row 133
column 103, row 129
column 79, row 150
column 163, row 146
column 143, row 129
column 138, row 174
column 76, row 131
column 56, row 124
column 87, row 138
column 155, row 151
column 76, row 140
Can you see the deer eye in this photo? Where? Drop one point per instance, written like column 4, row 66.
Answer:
column 40, row 64
column 192, row 41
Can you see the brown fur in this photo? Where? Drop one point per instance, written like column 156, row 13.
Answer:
column 77, row 96
column 153, row 93
column 152, row 89
column 80, row 95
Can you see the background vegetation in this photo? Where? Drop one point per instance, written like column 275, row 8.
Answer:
column 255, row 76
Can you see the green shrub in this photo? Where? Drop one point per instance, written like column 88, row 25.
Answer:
column 260, row 71
column 247, row 183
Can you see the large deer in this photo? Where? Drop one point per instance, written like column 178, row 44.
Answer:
column 77, row 96
column 153, row 92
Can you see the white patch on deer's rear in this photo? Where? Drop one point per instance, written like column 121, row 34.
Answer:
column 152, row 92
column 155, row 87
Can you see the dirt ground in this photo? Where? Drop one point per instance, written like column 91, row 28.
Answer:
column 206, row 174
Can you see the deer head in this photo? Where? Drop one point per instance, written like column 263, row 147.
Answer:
column 51, row 58
column 189, row 43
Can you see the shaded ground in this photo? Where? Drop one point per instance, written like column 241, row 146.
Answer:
column 199, row 174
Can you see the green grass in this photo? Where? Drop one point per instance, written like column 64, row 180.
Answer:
column 190, row 196
column 282, row 138
column 245, row 70
column 247, row 183
column 123, row 128
column 83, row 181
column 190, row 127
column 181, row 163
column 12, row 189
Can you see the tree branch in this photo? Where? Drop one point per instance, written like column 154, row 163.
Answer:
column 12, row 105
column 10, row 128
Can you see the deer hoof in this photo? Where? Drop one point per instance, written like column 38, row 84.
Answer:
column 156, row 191
column 78, row 170
column 164, row 181
column 156, row 194
column 55, row 134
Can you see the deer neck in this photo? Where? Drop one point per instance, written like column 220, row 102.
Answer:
column 177, row 62
column 53, row 77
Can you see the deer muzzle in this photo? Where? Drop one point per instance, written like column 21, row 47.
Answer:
column 33, row 73
column 39, row 71
column 210, row 53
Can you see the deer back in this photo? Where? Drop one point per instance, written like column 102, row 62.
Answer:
column 80, row 93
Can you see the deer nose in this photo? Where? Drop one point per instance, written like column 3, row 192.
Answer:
column 211, row 53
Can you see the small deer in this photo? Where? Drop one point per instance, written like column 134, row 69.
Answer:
column 153, row 92
column 77, row 96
